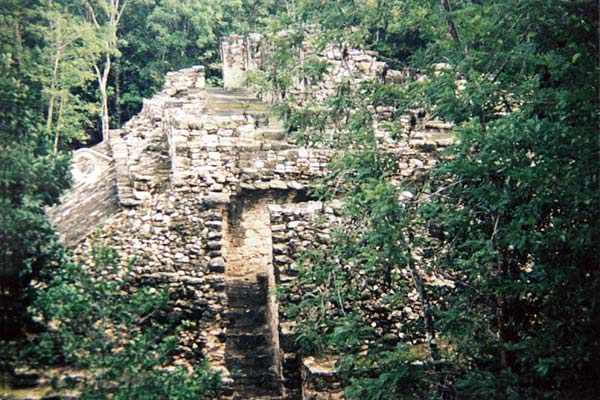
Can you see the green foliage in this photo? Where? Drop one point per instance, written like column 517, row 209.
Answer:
column 70, row 49
column 167, row 35
column 516, row 199
column 391, row 374
column 32, row 175
column 115, row 336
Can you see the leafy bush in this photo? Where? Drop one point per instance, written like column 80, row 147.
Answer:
column 114, row 336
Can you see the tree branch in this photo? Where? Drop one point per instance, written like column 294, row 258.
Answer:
column 120, row 11
column 92, row 12
column 450, row 20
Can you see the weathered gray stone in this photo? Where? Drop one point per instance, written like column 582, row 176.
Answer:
column 217, row 265
column 214, row 199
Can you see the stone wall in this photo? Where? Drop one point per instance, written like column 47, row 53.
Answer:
column 240, row 53
column 309, row 226
column 91, row 201
column 243, row 53
column 297, row 228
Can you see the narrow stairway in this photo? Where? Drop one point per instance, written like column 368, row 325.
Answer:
column 250, row 356
column 251, row 353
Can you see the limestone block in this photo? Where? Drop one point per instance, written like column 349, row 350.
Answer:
column 246, row 131
column 214, row 155
column 278, row 184
column 227, row 141
column 186, row 121
column 319, row 380
column 210, row 126
column 444, row 142
column 215, row 199
column 215, row 225
column 200, row 78
column 209, row 140
column 142, row 195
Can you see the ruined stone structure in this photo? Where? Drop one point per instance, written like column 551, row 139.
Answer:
column 210, row 196
column 243, row 53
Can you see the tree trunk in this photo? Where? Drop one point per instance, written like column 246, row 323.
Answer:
column 105, row 116
column 117, row 115
column 424, row 299
column 502, row 312
column 102, row 85
column 57, row 131
column 450, row 20
column 115, row 11
column 501, row 303
column 50, row 116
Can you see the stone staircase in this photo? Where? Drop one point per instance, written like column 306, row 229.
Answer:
column 250, row 356
column 252, row 345
column 120, row 155
column 228, row 102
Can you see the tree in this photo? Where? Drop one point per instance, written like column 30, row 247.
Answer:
column 71, row 49
column 521, row 215
column 32, row 176
column 164, row 36
column 516, row 200
column 106, row 17
column 116, row 336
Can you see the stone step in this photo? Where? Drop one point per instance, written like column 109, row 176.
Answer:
column 247, row 344
column 237, row 302
column 250, row 366
column 269, row 381
column 244, row 318
column 437, row 124
column 230, row 396
column 238, row 102
column 270, row 133
column 246, row 297
column 265, row 386
column 219, row 94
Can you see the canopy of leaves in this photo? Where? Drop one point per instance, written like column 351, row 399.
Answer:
column 516, row 199
column 32, row 175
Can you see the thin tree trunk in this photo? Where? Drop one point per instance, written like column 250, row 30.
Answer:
column 102, row 85
column 115, row 12
column 501, row 303
column 453, row 31
column 425, row 304
column 430, row 332
column 57, row 131
column 19, row 42
column 105, row 116
column 50, row 115
column 117, row 94
column 501, row 313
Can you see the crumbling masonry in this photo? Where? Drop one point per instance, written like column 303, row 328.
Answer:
column 209, row 195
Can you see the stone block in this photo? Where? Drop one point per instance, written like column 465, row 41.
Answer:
column 209, row 140
column 217, row 265
column 142, row 195
column 278, row 184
